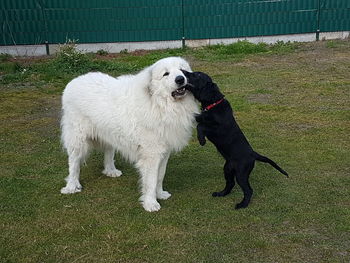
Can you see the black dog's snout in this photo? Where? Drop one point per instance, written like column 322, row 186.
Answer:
column 185, row 72
column 179, row 80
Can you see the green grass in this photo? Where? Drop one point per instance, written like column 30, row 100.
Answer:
column 292, row 102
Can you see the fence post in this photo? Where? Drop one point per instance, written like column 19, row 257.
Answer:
column 183, row 24
column 41, row 6
column 47, row 47
column 318, row 20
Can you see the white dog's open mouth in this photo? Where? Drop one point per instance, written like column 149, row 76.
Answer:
column 179, row 92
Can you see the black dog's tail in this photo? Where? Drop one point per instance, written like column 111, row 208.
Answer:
column 264, row 159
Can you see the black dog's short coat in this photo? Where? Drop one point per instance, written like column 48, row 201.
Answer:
column 216, row 122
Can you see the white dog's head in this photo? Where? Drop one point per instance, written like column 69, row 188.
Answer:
column 167, row 79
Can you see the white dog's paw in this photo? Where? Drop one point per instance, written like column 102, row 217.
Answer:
column 71, row 188
column 163, row 195
column 112, row 172
column 150, row 204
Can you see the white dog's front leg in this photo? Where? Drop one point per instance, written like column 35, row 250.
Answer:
column 149, row 167
column 161, row 194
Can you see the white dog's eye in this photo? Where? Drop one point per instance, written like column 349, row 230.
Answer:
column 165, row 74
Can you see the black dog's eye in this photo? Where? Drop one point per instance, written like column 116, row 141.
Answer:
column 165, row 74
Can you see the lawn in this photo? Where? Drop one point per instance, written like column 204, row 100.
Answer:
column 291, row 100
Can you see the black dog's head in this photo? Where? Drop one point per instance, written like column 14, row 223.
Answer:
column 202, row 87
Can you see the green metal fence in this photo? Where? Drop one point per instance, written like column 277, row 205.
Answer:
column 92, row 21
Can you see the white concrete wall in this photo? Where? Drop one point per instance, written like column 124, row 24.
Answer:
column 334, row 35
column 121, row 46
column 24, row 50
column 40, row 50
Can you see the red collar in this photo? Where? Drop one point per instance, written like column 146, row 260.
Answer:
column 213, row 105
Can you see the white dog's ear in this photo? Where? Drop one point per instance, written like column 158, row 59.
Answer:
column 149, row 89
column 147, row 79
column 187, row 67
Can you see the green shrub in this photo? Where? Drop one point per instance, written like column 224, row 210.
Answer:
column 240, row 47
column 102, row 52
column 4, row 57
column 69, row 59
column 331, row 44
column 284, row 47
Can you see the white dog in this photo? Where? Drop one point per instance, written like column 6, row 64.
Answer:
column 144, row 117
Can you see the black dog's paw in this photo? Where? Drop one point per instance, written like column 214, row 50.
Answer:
column 241, row 205
column 219, row 194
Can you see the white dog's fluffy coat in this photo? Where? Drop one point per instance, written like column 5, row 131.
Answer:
column 133, row 114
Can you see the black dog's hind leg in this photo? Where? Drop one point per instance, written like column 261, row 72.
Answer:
column 229, row 173
column 200, row 134
column 242, row 177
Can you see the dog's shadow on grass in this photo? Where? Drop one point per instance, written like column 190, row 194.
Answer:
column 194, row 168
column 91, row 172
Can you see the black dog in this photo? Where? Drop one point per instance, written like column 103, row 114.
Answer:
column 216, row 122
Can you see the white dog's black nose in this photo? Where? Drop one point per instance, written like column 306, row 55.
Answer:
column 179, row 80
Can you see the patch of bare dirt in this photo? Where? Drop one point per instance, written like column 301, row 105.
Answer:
column 260, row 98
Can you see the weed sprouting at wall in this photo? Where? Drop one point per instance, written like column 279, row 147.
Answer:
column 69, row 58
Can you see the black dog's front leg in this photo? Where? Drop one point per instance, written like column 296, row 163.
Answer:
column 201, row 134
